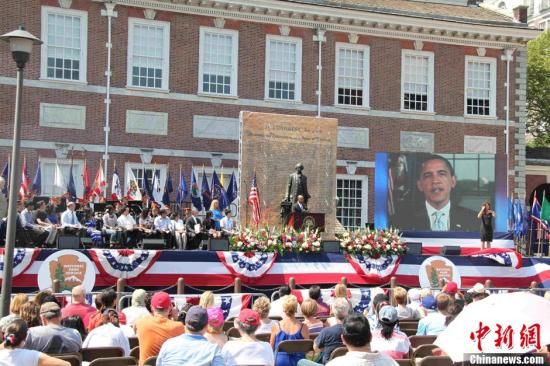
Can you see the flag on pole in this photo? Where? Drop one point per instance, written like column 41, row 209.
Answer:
column 86, row 183
column 71, row 188
column 147, row 187
column 168, row 188
column 58, row 181
column 222, row 179
column 116, row 189
column 195, row 194
column 545, row 209
column 205, row 192
column 254, row 202
column 6, row 176
column 232, row 190
column 157, row 191
column 182, row 190
column 25, row 183
column 218, row 193
column 133, row 193
column 99, row 182
column 36, row 187
column 535, row 210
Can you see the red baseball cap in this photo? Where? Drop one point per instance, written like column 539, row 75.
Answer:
column 451, row 288
column 249, row 317
column 161, row 300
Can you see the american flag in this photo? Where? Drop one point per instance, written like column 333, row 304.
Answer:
column 254, row 202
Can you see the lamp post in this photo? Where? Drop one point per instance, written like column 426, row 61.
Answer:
column 21, row 43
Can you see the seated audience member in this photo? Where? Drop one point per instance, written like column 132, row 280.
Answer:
column 340, row 291
column 16, row 303
column 209, row 227
column 162, row 226
column 454, row 309
column 138, row 309
column 194, row 229
column 435, row 323
column 178, row 230
column 191, row 348
column 277, row 305
column 288, row 329
column 111, row 230
column 207, row 299
column 153, row 330
column 247, row 350
column 37, row 233
column 478, row 292
column 388, row 340
column 400, row 297
column 90, row 223
column 415, row 303
column 78, row 305
column 75, row 322
column 227, row 224
column 108, row 301
column 428, row 305
column 451, row 288
column 331, row 338
column 356, row 336
column 30, row 313
column 378, row 301
column 214, row 331
column 52, row 337
column 146, row 223
column 41, row 219
column 13, row 353
column 323, row 309
column 108, row 334
column 309, row 309
column 69, row 221
column 261, row 306
column 128, row 224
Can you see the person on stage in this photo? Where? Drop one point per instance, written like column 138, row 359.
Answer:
column 486, row 214
column 217, row 214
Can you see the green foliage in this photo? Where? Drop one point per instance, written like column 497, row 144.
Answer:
column 538, row 90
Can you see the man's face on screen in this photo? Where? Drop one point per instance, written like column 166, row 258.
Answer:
column 436, row 182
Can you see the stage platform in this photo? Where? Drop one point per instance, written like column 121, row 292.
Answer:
column 36, row 269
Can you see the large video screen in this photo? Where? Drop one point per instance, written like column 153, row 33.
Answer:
column 439, row 192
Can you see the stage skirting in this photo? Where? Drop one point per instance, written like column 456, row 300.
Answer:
column 95, row 268
column 469, row 242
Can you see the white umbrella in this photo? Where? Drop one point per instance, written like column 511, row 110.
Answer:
column 524, row 321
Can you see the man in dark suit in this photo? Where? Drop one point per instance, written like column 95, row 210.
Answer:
column 193, row 228
column 299, row 206
column 436, row 180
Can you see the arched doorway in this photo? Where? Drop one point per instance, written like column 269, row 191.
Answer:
column 540, row 191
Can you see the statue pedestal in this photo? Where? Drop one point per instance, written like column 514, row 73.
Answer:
column 302, row 220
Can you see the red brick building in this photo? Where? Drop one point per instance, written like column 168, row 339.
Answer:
column 399, row 75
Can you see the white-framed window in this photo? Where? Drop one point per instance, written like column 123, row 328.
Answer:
column 480, row 86
column 351, row 209
column 417, row 81
column 352, row 75
column 64, row 51
column 208, row 171
column 47, row 171
column 146, row 171
column 283, row 68
column 148, row 53
column 218, row 61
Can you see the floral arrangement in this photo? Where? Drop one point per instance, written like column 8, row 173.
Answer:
column 373, row 243
column 272, row 240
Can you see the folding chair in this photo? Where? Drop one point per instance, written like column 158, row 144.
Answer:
column 233, row 333
column 134, row 342
column 134, row 352
column 114, row 361
column 340, row 351
column 294, row 346
column 404, row 362
column 424, row 350
column 228, row 324
column 72, row 359
column 436, row 361
column 151, row 361
column 417, row 340
column 264, row 337
column 90, row 354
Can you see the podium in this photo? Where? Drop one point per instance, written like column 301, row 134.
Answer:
column 302, row 220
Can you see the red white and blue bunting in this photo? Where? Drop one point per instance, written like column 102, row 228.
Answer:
column 22, row 259
column 379, row 269
column 231, row 305
column 124, row 263
column 506, row 257
column 249, row 265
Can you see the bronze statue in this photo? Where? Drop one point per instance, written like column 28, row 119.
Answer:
column 297, row 186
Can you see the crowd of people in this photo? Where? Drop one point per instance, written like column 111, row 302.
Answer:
column 120, row 224
column 41, row 326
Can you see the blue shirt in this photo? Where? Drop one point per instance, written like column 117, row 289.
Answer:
column 189, row 349
column 433, row 324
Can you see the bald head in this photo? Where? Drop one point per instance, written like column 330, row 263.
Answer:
column 79, row 294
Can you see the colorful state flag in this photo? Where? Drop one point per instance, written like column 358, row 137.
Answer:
column 195, row 194
column 218, row 193
column 205, row 192
column 133, row 193
column 116, row 189
column 25, row 183
column 182, row 190
column 147, row 187
column 168, row 188
column 157, row 191
column 36, row 187
column 232, row 190
column 254, row 202
column 71, row 188
column 99, row 182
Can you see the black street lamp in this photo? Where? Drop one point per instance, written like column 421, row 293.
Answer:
column 21, row 43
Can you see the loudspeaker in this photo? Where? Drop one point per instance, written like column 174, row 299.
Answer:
column 221, row 244
column 68, row 242
column 414, row 248
column 330, row 246
column 86, row 242
column 154, row 244
column 450, row 250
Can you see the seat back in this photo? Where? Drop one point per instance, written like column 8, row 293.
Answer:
column 264, row 337
column 417, row 340
column 294, row 346
column 340, row 351
column 228, row 324
column 312, row 336
column 424, row 351
column 134, row 352
column 133, row 341
column 114, row 361
column 90, row 354
column 72, row 359
column 404, row 362
column 436, row 361
column 151, row 361
column 233, row 333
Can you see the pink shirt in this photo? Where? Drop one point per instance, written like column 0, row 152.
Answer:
column 397, row 347
column 82, row 310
